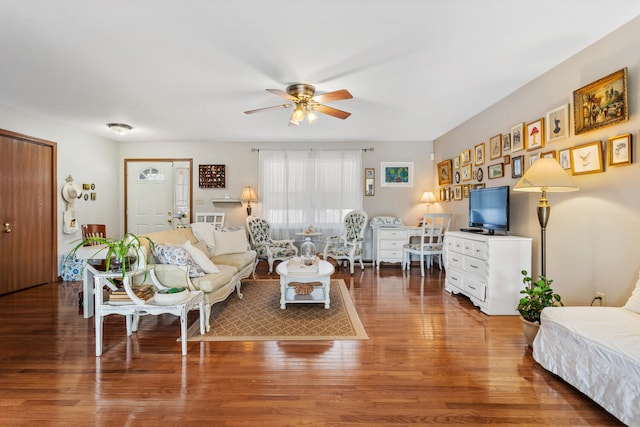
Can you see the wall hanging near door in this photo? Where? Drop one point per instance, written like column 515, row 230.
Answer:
column 212, row 176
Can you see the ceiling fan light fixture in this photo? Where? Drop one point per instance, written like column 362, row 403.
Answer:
column 298, row 113
column 120, row 128
column 311, row 116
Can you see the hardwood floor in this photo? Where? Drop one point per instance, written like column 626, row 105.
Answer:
column 432, row 358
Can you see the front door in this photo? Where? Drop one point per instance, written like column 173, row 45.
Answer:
column 28, row 211
column 158, row 195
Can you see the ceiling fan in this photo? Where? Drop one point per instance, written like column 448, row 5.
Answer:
column 305, row 103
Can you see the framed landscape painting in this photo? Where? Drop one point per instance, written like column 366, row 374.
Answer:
column 601, row 103
column 397, row 174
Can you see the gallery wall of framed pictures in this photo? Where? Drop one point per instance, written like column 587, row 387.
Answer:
column 511, row 153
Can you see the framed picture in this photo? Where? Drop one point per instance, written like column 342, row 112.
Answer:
column 549, row 154
column 517, row 137
column 506, row 159
column 516, row 166
column 495, row 147
column 457, row 192
column 457, row 177
column 564, row 158
column 586, row 158
column 619, row 150
column 369, row 181
column 533, row 158
column 478, row 186
column 443, row 194
column 601, row 103
column 447, row 194
column 535, row 134
column 479, row 175
column 444, row 172
column 496, row 171
column 465, row 191
column 558, row 123
column 465, row 157
column 398, row 174
column 466, row 172
column 456, row 162
column 506, row 143
column 478, row 158
column 211, row 176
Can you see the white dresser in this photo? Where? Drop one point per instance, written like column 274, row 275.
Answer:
column 487, row 269
column 387, row 244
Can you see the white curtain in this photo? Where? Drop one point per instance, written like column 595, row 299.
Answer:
column 302, row 188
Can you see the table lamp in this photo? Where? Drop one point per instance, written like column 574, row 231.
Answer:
column 248, row 195
column 428, row 198
column 545, row 175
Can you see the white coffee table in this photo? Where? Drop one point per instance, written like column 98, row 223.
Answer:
column 320, row 294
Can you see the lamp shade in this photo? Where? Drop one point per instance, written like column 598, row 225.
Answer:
column 546, row 174
column 427, row 197
column 248, row 194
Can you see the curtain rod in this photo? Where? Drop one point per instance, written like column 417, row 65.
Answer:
column 305, row 149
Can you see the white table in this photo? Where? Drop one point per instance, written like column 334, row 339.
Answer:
column 88, row 253
column 320, row 294
column 139, row 307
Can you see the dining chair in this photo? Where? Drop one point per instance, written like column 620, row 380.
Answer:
column 430, row 246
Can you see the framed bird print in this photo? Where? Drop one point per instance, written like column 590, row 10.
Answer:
column 586, row 158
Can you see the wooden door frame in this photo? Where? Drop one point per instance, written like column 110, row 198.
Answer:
column 126, row 195
column 53, row 250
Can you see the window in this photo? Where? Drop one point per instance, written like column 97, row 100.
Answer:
column 300, row 188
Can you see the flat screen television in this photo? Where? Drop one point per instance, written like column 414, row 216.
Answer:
column 489, row 209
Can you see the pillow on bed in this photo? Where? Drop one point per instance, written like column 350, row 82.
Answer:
column 633, row 303
column 200, row 258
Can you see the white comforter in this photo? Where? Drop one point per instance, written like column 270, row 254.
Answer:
column 597, row 350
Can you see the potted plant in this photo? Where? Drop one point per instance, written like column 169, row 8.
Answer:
column 121, row 254
column 537, row 295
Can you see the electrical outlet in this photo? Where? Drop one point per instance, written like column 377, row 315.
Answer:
column 602, row 296
column 199, row 201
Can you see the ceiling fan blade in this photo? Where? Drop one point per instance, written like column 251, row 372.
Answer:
column 275, row 107
column 331, row 111
column 333, row 96
column 282, row 93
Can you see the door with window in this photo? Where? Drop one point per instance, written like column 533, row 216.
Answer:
column 28, row 211
column 158, row 194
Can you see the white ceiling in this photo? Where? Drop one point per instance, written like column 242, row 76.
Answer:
column 187, row 70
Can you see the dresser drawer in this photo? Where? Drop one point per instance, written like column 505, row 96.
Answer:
column 455, row 279
column 391, row 253
column 392, row 244
column 475, row 288
column 475, row 266
column 480, row 250
column 455, row 260
column 392, row 234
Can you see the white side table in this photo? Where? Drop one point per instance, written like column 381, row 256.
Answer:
column 320, row 294
column 139, row 307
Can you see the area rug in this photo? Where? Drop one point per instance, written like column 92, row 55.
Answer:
column 258, row 317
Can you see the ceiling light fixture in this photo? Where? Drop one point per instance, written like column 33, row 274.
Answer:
column 120, row 128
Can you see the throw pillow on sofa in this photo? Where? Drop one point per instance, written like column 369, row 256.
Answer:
column 167, row 254
column 204, row 232
column 230, row 242
column 200, row 258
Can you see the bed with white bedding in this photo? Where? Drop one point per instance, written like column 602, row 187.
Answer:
column 597, row 350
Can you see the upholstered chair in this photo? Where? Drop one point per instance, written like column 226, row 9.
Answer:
column 266, row 248
column 349, row 245
column 430, row 246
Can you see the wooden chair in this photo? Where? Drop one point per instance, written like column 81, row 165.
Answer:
column 93, row 230
column 434, row 226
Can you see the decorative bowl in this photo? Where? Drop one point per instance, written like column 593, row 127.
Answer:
column 171, row 296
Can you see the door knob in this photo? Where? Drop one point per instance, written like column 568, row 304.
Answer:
column 7, row 227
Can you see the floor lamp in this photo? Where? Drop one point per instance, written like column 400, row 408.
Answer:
column 545, row 175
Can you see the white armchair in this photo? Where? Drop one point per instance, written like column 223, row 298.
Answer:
column 349, row 245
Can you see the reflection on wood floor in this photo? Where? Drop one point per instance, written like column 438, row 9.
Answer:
column 432, row 358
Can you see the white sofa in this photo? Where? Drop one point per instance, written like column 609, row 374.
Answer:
column 596, row 350
column 231, row 256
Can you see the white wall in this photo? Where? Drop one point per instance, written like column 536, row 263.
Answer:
column 592, row 234
column 87, row 158
column 242, row 169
